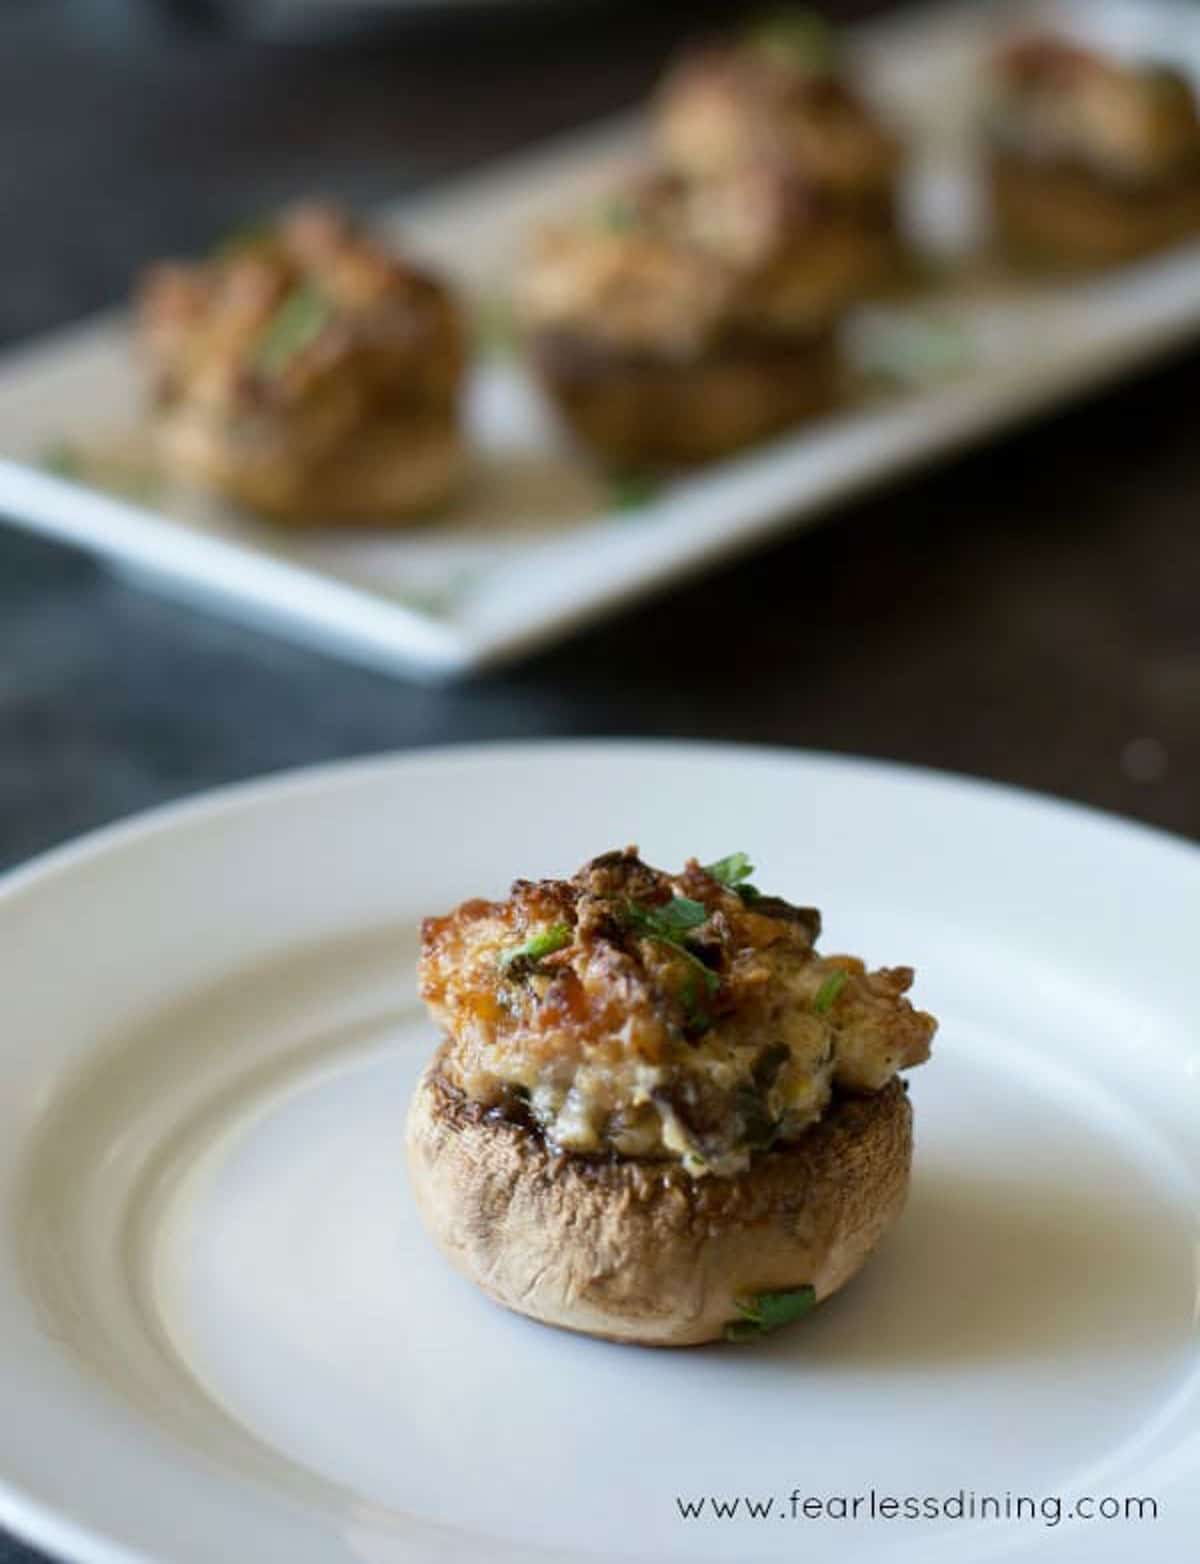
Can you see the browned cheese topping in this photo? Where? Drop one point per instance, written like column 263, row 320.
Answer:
column 678, row 268
column 1055, row 102
column 636, row 1013
column 768, row 208
column 309, row 322
column 776, row 97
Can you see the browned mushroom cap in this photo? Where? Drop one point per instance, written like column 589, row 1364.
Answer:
column 640, row 1251
column 650, row 412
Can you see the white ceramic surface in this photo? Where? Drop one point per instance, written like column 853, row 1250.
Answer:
column 535, row 547
column 223, row 1334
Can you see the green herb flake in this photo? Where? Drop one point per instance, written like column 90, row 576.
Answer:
column 734, row 873
column 697, row 1020
column 64, row 461
column 730, row 871
column 669, row 921
column 544, row 943
column 901, row 348
column 115, row 471
column 632, row 490
column 680, row 914
column 765, row 1312
column 496, row 333
column 296, row 324
column 244, row 241
column 668, row 924
column 828, row 992
column 618, row 215
column 796, row 38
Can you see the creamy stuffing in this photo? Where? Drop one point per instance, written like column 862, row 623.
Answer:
column 1053, row 101
column 305, row 366
column 635, row 1013
column 776, row 96
column 679, row 269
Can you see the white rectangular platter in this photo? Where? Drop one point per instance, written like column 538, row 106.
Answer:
column 539, row 544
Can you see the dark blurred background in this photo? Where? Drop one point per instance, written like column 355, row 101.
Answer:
column 137, row 128
column 1027, row 613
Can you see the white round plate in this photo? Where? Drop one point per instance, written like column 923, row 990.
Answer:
column 224, row 1336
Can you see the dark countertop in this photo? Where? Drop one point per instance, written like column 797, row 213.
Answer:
column 1028, row 613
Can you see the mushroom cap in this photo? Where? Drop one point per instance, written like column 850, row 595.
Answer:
column 641, row 1251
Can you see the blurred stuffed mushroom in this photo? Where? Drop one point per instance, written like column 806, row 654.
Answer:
column 695, row 310
column 307, row 372
column 1091, row 159
column 779, row 103
column 671, row 330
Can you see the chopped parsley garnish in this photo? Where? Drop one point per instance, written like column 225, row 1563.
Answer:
column 910, row 347
column 797, row 38
column 670, row 920
column 496, row 331
column 617, row 214
column 254, row 236
column 545, row 942
column 730, row 871
column 130, row 474
column 734, row 873
column 828, row 992
column 695, row 1011
column 296, row 324
column 668, row 924
column 64, row 461
column 631, row 490
column 765, row 1312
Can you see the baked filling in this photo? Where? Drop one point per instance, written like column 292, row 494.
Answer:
column 294, row 346
column 685, row 1018
column 1129, row 128
column 677, row 272
column 777, row 96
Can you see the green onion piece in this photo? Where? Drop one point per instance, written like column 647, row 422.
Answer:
column 544, row 943
column 765, row 1312
column 296, row 324
column 829, row 991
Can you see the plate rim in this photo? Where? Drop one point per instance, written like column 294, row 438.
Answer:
column 342, row 771
column 42, row 1524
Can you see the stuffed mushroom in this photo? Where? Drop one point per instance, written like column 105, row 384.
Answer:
column 1091, row 159
column 306, row 372
column 778, row 102
column 657, row 1114
column 672, row 325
